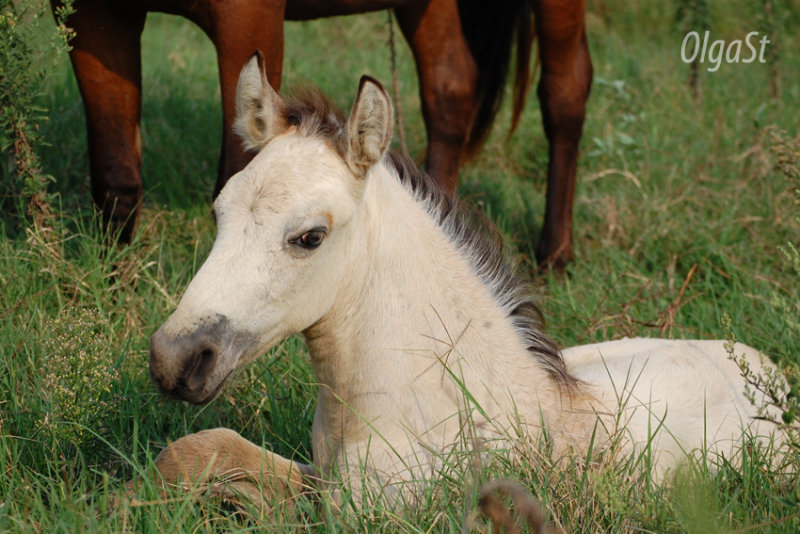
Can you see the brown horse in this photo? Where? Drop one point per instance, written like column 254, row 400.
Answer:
column 462, row 48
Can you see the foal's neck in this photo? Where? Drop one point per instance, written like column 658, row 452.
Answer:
column 414, row 327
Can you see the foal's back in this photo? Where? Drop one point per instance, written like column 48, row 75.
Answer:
column 686, row 394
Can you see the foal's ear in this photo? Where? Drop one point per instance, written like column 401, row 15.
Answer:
column 369, row 128
column 258, row 106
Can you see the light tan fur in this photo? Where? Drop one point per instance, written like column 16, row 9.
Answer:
column 230, row 466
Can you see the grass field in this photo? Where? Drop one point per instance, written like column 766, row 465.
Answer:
column 680, row 218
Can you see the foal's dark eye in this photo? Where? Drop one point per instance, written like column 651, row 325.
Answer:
column 311, row 239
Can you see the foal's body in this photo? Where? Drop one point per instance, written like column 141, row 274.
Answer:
column 420, row 337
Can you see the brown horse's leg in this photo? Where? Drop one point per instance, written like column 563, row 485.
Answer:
column 237, row 30
column 563, row 91
column 106, row 60
column 228, row 465
column 447, row 80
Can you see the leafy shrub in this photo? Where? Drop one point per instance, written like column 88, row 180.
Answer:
column 29, row 44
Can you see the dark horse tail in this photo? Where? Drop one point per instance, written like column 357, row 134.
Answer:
column 492, row 29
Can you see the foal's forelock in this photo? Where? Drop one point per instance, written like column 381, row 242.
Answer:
column 314, row 115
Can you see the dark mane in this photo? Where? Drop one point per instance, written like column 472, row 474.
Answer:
column 468, row 228
column 479, row 239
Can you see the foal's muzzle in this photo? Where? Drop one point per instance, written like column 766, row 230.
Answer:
column 188, row 365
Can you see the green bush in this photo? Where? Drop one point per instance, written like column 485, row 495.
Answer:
column 29, row 44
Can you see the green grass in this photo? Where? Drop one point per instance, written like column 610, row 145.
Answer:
column 679, row 217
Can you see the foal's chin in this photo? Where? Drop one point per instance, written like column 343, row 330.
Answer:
column 203, row 396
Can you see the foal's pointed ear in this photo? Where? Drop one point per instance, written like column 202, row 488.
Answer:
column 258, row 106
column 369, row 128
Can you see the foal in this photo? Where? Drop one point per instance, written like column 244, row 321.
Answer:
column 417, row 328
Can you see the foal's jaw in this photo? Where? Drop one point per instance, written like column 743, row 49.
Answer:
column 194, row 364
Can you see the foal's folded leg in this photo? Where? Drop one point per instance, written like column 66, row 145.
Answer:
column 232, row 467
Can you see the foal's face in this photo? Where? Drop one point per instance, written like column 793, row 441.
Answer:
column 284, row 225
column 287, row 227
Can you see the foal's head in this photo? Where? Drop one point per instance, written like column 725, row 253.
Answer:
column 285, row 227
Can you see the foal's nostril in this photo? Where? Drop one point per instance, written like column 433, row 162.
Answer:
column 203, row 363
